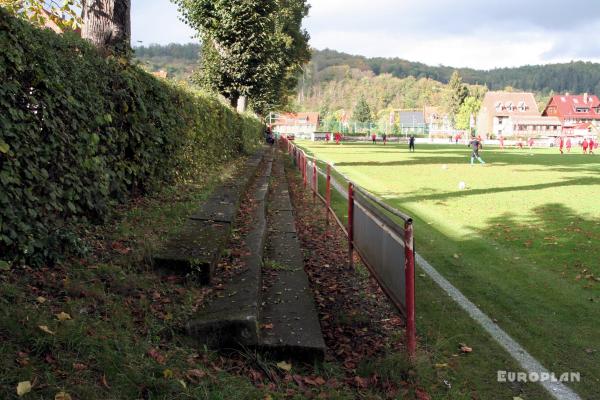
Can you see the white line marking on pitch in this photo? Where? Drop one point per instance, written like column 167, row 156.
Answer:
column 557, row 389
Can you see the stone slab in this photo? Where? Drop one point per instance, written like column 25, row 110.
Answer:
column 195, row 250
column 231, row 319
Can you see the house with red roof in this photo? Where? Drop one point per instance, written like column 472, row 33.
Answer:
column 574, row 110
column 295, row 123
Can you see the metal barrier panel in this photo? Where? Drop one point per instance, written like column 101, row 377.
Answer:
column 381, row 246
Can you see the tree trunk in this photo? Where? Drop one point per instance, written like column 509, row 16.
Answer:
column 107, row 24
column 241, row 104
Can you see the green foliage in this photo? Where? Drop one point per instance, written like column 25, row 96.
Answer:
column 187, row 51
column 457, row 94
column 469, row 107
column 573, row 77
column 362, row 111
column 251, row 48
column 62, row 13
column 80, row 133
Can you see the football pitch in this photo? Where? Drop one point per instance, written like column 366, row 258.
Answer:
column 521, row 240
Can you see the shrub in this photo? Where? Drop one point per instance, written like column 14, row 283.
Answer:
column 80, row 133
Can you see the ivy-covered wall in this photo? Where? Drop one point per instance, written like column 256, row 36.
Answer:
column 80, row 133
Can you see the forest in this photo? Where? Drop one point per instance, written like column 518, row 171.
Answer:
column 575, row 77
column 334, row 81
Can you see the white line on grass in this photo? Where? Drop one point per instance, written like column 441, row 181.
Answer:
column 557, row 389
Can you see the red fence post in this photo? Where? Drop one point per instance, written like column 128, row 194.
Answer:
column 409, row 273
column 315, row 180
column 328, row 192
column 350, row 224
column 304, row 163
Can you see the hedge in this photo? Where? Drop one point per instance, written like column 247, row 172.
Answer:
column 80, row 133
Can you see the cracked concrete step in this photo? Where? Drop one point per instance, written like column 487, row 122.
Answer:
column 288, row 316
column 231, row 319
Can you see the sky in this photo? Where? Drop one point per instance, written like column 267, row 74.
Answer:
column 480, row 34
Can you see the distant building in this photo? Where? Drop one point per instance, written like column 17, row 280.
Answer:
column 295, row 123
column 573, row 111
column 498, row 107
column 161, row 74
column 50, row 24
column 437, row 121
column 411, row 120
column 528, row 126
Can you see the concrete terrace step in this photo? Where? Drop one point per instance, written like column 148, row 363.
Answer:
column 231, row 319
column 288, row 316
column 197, row 248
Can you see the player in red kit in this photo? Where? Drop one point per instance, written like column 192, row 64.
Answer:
column 560, row 145
column 585, row 146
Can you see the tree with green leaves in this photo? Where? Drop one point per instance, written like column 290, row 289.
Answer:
column 469, row 107
column 63, row 13
column 252, row 48
column 362, row 111
column 457, row 95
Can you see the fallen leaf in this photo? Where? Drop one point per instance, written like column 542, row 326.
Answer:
column 44, row 328
column 63, row 316
column 361, row 382
column 465, row 349
column 266, row 326
column 422, row 394
column 284, row 366
column 319, row 381
column 120, row 248
column 444, row 365
column 182, row 383
column 62, row 396
column 41, row 299
column 195, row 375
column 79, row 366
column 268, row 397
column 167, row 373
column 104, row 382
column 156, row 356
column 456, row 256
column 517, row 398
column 23, row 388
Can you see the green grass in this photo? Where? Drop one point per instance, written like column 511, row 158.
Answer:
column 521, row 242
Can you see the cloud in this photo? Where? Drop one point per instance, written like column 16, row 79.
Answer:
column 476, row 33
column 461, row 33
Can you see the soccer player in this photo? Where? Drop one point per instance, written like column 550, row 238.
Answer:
column 374, row 138
column 592, row 143
column 569, row 144
column 475, row 145
column 530, row 143
column 501, row 138
column 411, row 143
column 585, row 145
column 384, row 137
column 561, row 144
